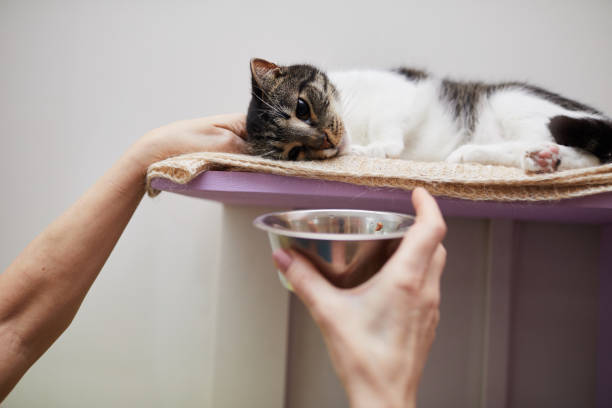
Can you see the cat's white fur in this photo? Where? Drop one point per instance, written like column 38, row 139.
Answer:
column 386, row 115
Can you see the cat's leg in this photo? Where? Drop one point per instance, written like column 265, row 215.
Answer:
column 519, row 116
column 376, row 149
column 503, row 154
column 371, row 150
column 539, row 157
column 389, row 143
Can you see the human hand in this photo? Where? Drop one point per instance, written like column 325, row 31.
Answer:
column 221, row 133
column 379, row 334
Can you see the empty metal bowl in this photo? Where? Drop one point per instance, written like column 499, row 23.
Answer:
column 346, row 246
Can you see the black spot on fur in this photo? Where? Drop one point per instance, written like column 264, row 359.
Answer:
column 562, row 101
column 412, row 74
column 463, row 98
column 592, row 135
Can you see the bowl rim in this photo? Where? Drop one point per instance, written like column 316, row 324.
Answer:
column 258, row 223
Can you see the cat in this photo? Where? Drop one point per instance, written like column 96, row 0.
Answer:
column 299, row 112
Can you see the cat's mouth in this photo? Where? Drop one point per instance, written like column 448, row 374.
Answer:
column 329, row 145
column 328, row 153
column 343, row 145
column 317, row 154
column 328, row 148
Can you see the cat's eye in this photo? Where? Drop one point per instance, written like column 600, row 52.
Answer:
column 302, row 111
column 294, row 153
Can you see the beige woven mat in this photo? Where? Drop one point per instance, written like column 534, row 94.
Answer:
column 468, row 181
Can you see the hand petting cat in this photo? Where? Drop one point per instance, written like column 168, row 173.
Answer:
column 220, row 133
column 41, row 291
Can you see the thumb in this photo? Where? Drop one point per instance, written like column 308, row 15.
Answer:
column 306, row 281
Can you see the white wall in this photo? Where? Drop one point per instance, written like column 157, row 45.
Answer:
column 81, row 80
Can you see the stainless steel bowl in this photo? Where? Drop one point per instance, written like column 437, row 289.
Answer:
column 346, row 246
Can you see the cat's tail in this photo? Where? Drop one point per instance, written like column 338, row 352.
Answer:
column 591, row 134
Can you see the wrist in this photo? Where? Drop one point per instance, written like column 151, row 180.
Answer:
column 129, row 172
column 381, row 397
column 145, row 151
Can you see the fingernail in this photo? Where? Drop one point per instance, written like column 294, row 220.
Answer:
column 282, row 259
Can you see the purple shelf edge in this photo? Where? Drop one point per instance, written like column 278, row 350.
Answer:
column 294, row 192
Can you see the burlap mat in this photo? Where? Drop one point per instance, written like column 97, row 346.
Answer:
column 467, row 181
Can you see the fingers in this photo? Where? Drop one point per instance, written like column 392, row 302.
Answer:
column 234, row 122
column 233, row 126
column 412, row 258
column 310, row 286
column 434, row 273
column 232, row 144
column 429, row 222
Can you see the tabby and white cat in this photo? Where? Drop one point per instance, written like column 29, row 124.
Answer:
column 298, row 112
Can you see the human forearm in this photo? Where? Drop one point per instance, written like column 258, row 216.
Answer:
column 391, row 387
column 44, row 287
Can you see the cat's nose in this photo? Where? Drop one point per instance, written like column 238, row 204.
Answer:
column 325, row 143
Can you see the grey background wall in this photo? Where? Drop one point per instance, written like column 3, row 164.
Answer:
column 81, row 80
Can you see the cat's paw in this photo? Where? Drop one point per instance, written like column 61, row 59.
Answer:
column 464, row 154
column 355, row 150
column 542, row 159
column 455, row 157
column 369, row 151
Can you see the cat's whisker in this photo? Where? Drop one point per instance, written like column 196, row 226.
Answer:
column 268, row 96
column 275, row 109
column 270, row 154
column 264, row 102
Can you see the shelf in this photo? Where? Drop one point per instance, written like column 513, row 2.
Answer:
column 292, row 192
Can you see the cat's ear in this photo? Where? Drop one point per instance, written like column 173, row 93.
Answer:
column 262, row 71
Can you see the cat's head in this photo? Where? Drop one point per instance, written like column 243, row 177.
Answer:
column 293, row 114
